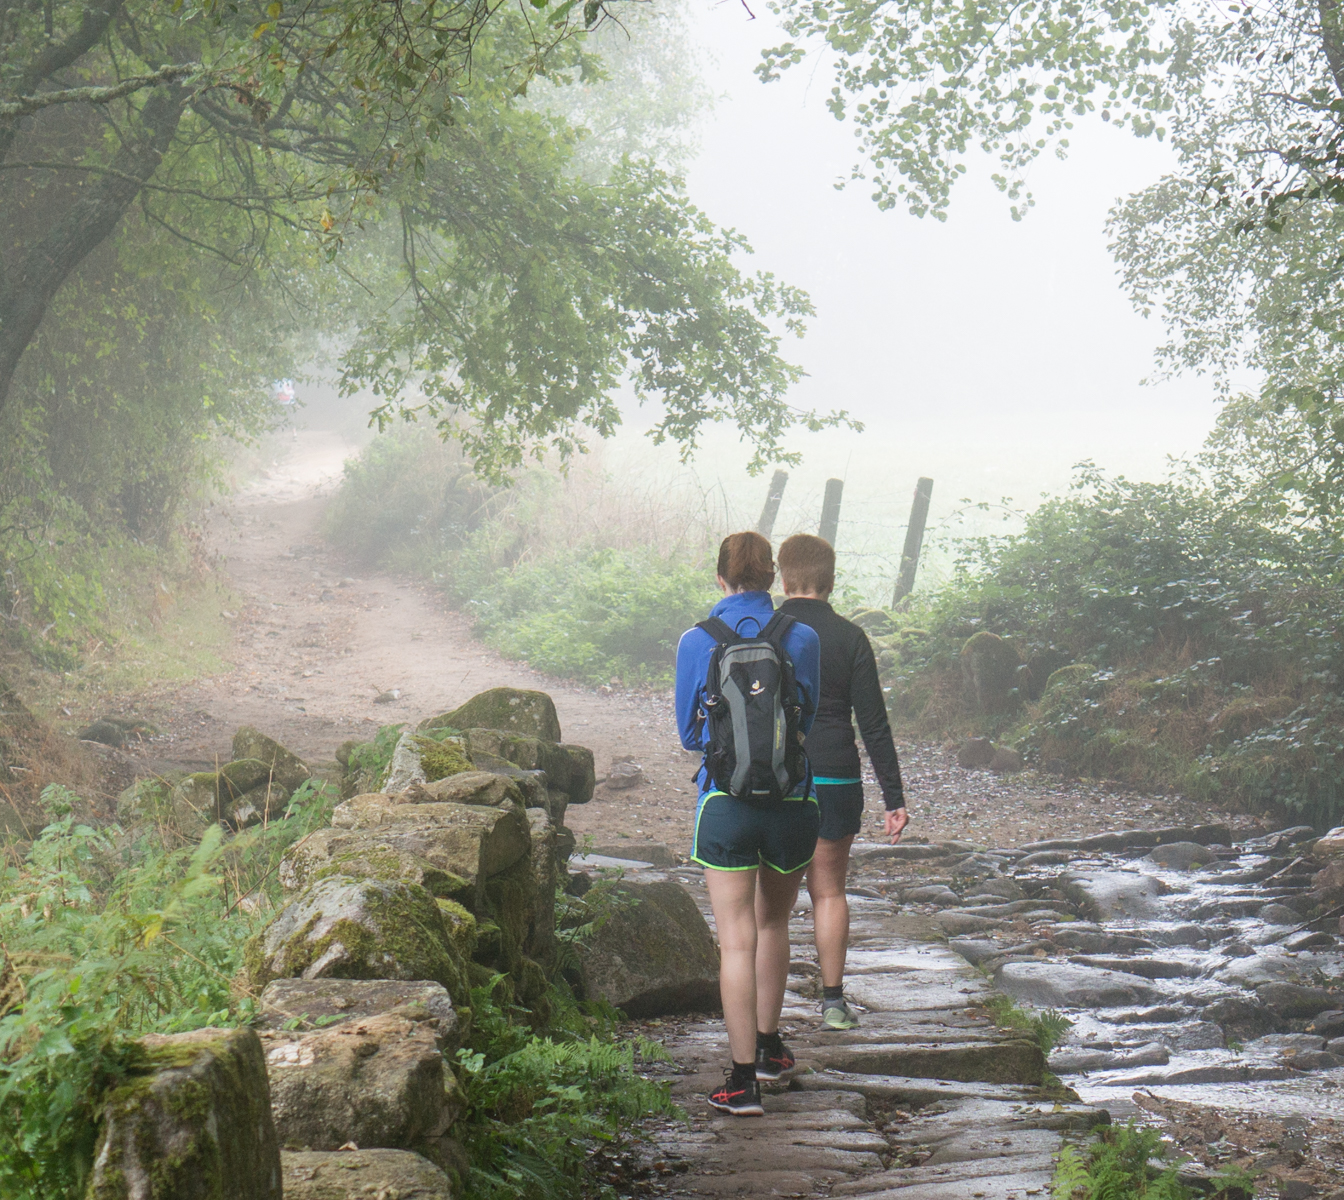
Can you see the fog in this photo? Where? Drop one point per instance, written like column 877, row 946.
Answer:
column 990, row 354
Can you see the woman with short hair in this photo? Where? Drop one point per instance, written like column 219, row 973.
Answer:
column 850, row 690
column 754, row 850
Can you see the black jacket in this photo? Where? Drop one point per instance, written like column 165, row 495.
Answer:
column 849, row 683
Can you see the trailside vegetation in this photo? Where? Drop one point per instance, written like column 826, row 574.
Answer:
column 576, row 575
column 106, row 935
column 1182, row 633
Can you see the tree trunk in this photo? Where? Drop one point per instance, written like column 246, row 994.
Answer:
column 39, row 270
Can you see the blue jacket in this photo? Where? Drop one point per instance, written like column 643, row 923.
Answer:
column 747, row 612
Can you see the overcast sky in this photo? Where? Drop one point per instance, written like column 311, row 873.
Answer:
column 987, row 353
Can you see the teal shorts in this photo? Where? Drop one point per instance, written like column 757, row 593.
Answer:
column 732, row 835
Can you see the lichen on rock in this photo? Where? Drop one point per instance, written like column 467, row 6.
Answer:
column 514, row 709
column 284, row 767
column 363, row 1175
column 342, row 927
column 193, row 1122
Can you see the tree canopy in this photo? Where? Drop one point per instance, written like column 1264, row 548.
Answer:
column 1235, row 249
column 379, row 173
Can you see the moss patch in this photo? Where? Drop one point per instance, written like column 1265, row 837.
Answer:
column 440, row 759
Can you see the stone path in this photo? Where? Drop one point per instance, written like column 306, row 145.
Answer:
column 926, row 1100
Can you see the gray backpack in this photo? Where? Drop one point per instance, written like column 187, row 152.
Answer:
column 752, row 712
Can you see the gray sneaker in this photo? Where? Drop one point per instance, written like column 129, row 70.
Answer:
column 836, row 1014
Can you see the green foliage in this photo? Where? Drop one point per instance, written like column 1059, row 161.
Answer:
column 1116, row 1167
column 1199, row 614
column 369, row 761
column 1045, row 1028
column 586, row 597
column 112, row 937
column 540, row 1107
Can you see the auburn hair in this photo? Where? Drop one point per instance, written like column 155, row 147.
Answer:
column 807, row 564
column 745, row 562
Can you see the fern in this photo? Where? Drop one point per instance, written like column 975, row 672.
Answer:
column 1117, row 1167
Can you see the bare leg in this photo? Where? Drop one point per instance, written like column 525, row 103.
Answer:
column 775, row 894
column 830, row 908
column 733, row 896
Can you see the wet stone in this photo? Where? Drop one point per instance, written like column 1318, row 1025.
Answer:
column 1066, row 985
column 1147, row 968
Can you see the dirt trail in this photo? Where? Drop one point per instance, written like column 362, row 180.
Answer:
column 319, row 638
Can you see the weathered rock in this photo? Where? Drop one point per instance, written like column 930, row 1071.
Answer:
column 953, row 922
column 1331, row 845
column 363, row 1175
column 1109, row 894
column 307, row 1004
column 1295, row 999
column 193, row 802
column 379, row 1082
column 472, row 841
column 485, row 789
column 259, row 806
column 1278, row 914
column 625, row 773
column 933, row 893
column 532, row 784
column 1138, row 839
column 1071, row 1060
column 1146, row 968
column 1095, row 941
column 975, row 754
column 1006, row 761
column 404, row 768
column 1009, row 1061
column 285, row 768
column 192, row 1121
column 1181, row 856
column 412, row 855
column 514, row 709
column 1065, row 985
column 346, row 928
column 1260, row 969
column 1004, row 889
column 1045, row 858
column 654, row 955
column 1240, row 1019
column 569, row 769
column 1328, row 1024
column 989, row 673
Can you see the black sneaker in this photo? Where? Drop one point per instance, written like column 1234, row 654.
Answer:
column 742, row 1098
column 775, row 1061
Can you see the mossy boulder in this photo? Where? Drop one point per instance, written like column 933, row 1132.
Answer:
column 654, row 955
column 409, row 857
column 875, row 622
column 569, row 769
column 363, row 1175
column 377, row 1082
column 989, row 673
column 193, row 803
column 346, row 928
column 472, row 841
column 514, row 709
column 461, row 924
column 283, row 766
column 191, row 1122
column 150, row 799
column 532, row 784
column 308, row 1004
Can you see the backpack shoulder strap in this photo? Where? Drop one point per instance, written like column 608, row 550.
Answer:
column 718, row 629
column 777, row 629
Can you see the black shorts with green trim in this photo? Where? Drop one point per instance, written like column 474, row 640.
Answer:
column 841, row 805
column 732, row 835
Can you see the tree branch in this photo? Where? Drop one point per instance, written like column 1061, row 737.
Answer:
column 25, row 105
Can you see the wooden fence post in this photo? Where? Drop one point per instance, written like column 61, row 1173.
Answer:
column 766, row 524
column 830, row 510
column 914, row 540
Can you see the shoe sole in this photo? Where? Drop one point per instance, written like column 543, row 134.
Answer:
column 764, row 1077
column 750, row 1110
column 840, row 1027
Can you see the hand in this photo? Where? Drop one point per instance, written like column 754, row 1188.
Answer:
column 897, row 819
